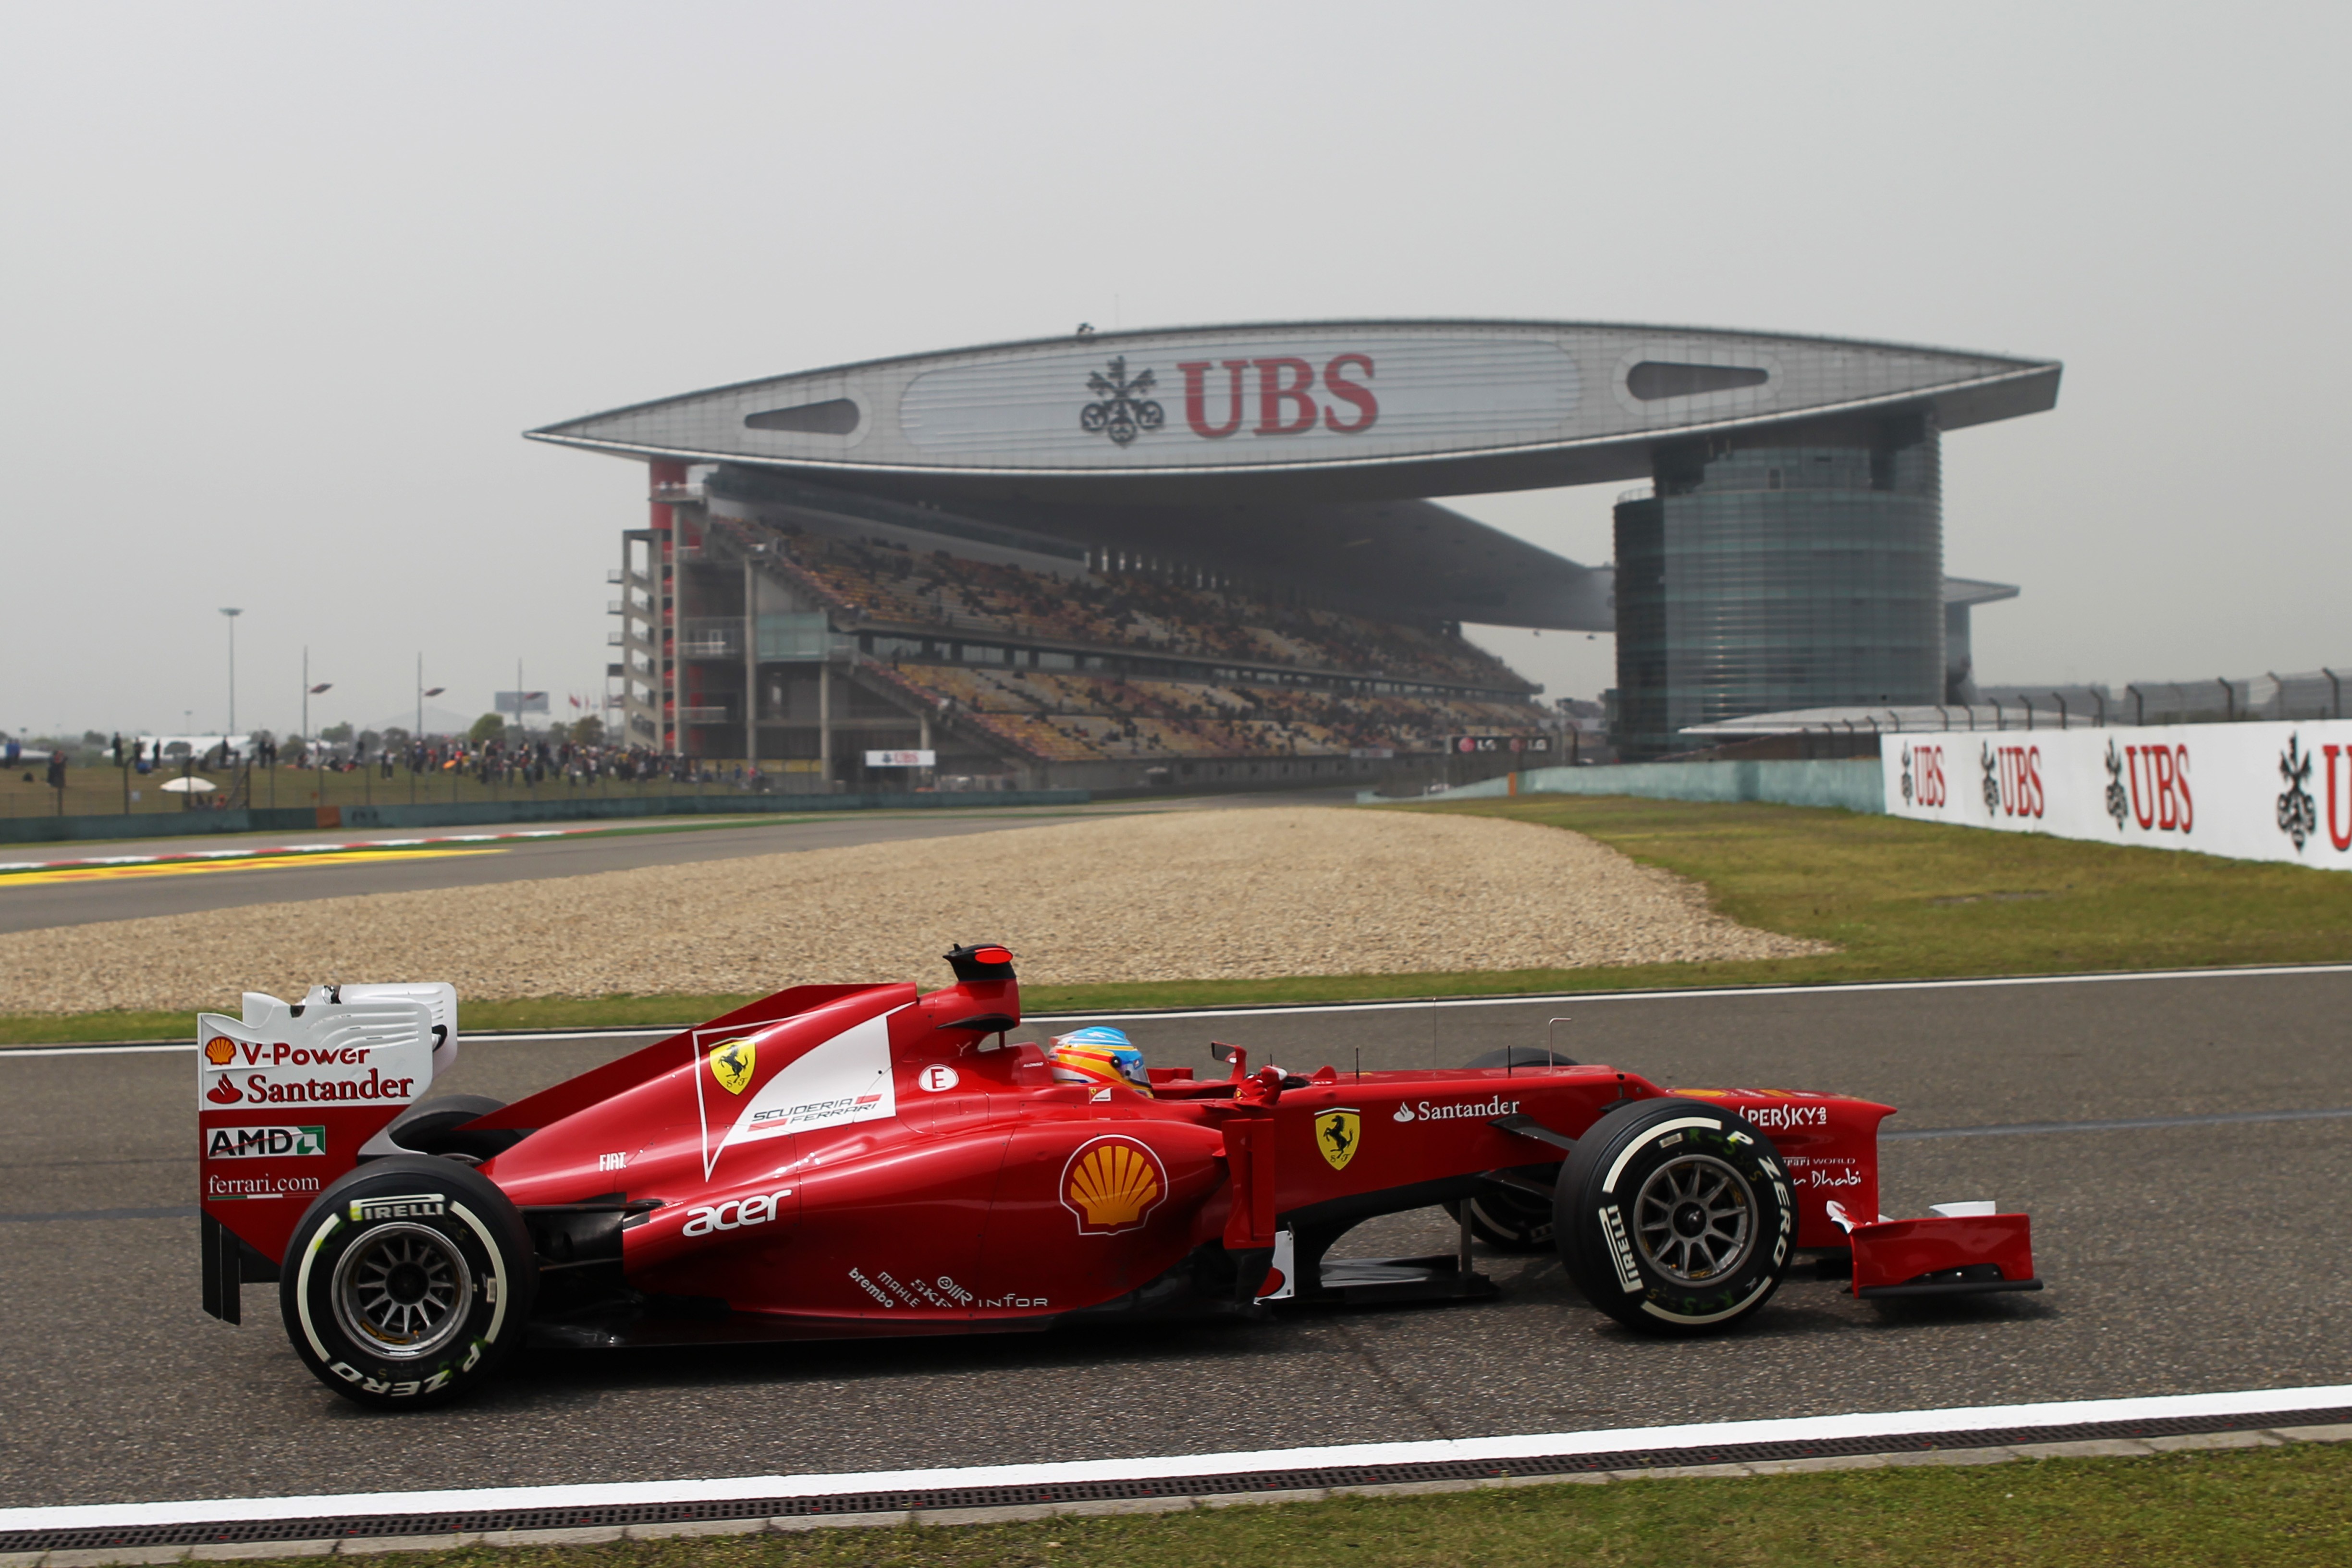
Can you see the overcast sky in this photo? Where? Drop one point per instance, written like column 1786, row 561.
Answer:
column 285, row 284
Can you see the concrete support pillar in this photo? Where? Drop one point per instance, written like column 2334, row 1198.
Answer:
column 665, row 555
column 751, row 668
column 825, row 721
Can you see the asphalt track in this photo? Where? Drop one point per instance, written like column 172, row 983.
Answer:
column 2187, row 1256
column 30, row 902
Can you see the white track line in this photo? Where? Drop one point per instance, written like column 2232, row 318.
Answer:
column 1605, row 1440
column 534, row 1037
column 1845, row 989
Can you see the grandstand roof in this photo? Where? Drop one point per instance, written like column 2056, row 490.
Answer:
column 1330, row 409
column 1295, row 445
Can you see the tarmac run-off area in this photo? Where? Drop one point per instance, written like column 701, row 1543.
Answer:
column 2176, row 1248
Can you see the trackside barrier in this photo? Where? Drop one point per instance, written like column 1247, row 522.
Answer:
column 474, row 814
column 2250, row 792
column 1853, row 785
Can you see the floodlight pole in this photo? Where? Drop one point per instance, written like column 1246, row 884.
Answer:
column 231, row 615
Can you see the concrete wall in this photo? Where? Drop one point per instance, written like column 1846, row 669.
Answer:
column 477, row 814
column 1851, row 785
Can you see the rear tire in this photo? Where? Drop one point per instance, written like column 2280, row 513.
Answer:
column 407, row 1282
column 1675, row 1217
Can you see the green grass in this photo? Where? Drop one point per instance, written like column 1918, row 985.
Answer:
column 2279, row 1508
column 1900, row 900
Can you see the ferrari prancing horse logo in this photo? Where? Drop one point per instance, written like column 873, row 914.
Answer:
column 730, row 1064
column 1337, row 1133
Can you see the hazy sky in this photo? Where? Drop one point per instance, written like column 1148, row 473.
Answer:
column 285, row 283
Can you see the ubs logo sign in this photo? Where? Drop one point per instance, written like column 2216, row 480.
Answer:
column 1923, row 776
column 2298, row 814
column 2157, row 784
column 1290, row 396
column 2012, row 780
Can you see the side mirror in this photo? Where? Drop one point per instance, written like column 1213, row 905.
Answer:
column 1231, row 1056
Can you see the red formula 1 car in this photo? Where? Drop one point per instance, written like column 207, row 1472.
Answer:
column 863, row 1160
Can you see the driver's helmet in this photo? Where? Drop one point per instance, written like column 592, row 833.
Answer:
column 1100, row 1056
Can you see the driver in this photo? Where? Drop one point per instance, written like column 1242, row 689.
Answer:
column 1099, row 1054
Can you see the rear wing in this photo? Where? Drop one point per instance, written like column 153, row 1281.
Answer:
column 286, row 1096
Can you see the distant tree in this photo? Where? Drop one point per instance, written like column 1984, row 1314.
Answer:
column 93, row 739
column 488, row 727
column 558, row 733
column 336, row 734
column 396, row 739
column 370, row 740
column 588, row 731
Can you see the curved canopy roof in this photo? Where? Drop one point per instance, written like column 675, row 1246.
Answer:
column 1327, row 410
column 1306, row 451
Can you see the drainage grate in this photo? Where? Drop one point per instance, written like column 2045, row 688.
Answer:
column 354, row 1527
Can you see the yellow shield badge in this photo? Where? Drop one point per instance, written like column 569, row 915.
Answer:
column 730, row 1064
column 1337, row 1133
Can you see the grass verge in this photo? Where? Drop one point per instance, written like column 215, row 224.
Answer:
column 2278, row 1508
column 1900, row 900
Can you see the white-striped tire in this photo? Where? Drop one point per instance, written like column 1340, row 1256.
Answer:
column 1619, row 1237
column 475, row 1224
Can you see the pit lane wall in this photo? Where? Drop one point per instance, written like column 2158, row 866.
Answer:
column 2250, row 792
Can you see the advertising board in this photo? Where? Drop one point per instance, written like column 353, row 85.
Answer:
column 1313, row 396
column 1529, row 745
column 2251, row 792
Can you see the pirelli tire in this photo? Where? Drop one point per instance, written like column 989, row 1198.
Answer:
column 407, row 1282
column 1676, row 1217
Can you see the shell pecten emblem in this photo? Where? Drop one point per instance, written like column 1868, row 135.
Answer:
column 731, row 1062
column 1112, row 1185
column 1338, row 1133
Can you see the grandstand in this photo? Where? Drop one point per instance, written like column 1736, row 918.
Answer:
column 1217, row 552
column 799, row 630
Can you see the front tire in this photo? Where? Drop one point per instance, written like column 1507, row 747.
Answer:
column 1675, row 1217
column 407, row 1282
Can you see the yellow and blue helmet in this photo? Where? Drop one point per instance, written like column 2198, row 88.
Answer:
column 1100, row 1056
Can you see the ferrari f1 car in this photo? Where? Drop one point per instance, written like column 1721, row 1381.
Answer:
column 865, row 1160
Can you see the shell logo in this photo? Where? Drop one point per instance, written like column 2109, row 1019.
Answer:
column 1112, row 1185
column 220, row 1050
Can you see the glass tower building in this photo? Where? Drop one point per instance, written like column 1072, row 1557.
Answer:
column 1791, row 567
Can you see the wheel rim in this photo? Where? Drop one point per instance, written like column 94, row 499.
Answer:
column 401, row 1291
column 1695, row 1219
